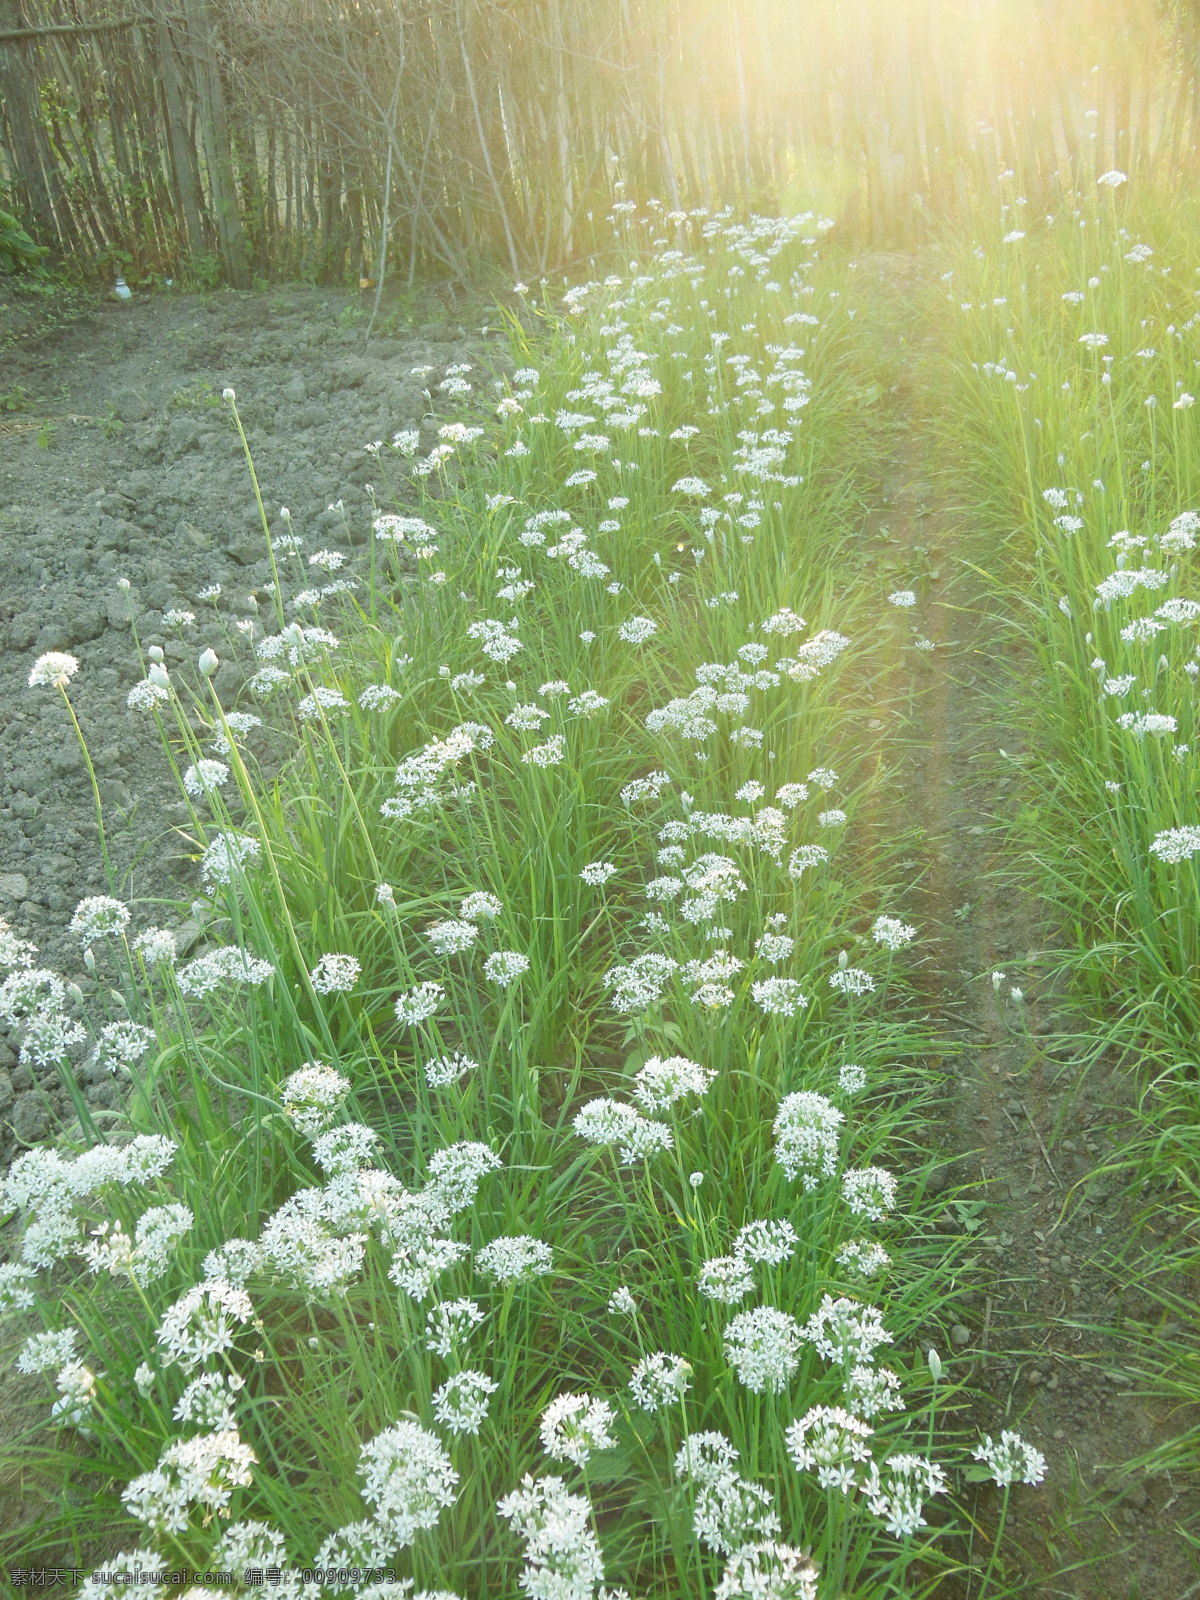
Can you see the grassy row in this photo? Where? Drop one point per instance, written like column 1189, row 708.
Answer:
column 1073, row 338
column 632, row 881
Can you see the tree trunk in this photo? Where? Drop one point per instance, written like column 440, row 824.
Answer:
column 18, row 90
column 183, row 156
column 483, row 144
column 214, row 126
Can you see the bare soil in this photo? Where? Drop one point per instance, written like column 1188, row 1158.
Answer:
column 118, row 461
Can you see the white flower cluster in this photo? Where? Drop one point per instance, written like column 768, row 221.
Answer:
column 864, row 1258
column 611, row 1122
column 200, row 1472
column 201, row 1323
column 15, row 1291
column 408, row 1480
column 562, row 1556
column 14, row 952
column 442, row 1071
column 576, row 1425
column 35, row 998
column 52, row 1348
column 497, row 642
column 461, row 1403
column 335, row 973
column 149, row 1254
column 516, row 1259
column 226, row 964
column 1012, row 1460
column 54, row 670
column 779, row 996
column 807, row 1132
column 205, row 778
column 419, row 1004
column 730, row 1512
column 639, row 984
column 504, row 967
column 659, row 1082
column 122, row 1044
column 846, row 1332
column 891, row 933
column 451, row 937
column 763, row 1348
column 1176, row 844
column 730, row 1278
column 227, row 857
column 896, row 1491
column 767, row 1568
column 869, row 1191
column 99, row 917
column 449, row 1324
column 659, row 1380
column 311, row 1097
column 831, row 1442
column 49, row 1189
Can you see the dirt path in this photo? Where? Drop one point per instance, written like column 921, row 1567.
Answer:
column 1028, row 1116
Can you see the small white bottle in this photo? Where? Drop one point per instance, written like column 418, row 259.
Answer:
column 122, row 289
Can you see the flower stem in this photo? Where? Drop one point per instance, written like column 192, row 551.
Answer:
column 108, row 866
column 996, row 1542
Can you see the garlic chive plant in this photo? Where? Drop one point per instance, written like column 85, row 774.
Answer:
column 517, row 1191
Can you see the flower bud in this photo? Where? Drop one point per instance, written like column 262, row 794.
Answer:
column 208, row 663
column 158, row 674
column 935, row 1364
column 228, row 394
column 89, row 961
column 155, row 652
column 123, row 583
column 997, row 980
column 843, row 959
